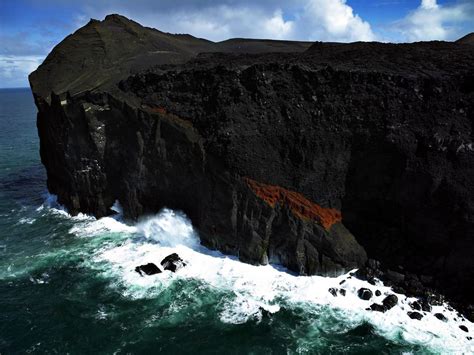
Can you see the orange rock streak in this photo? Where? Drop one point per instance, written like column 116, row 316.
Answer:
column 299, row 205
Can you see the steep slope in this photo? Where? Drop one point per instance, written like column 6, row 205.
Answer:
column 467, row 39
column 103, row 52
column 276, row 150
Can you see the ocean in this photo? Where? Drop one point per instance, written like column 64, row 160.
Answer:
column 68, row 285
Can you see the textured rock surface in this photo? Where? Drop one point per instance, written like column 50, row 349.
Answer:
column 280, row 157
column 148, row 269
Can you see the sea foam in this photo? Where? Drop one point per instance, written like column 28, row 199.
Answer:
column 256, row 289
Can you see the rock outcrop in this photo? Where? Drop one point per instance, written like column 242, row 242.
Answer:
column 148, row 269
column 311, row 156
column 173, row 263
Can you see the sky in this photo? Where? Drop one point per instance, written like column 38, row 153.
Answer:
column 29, row 29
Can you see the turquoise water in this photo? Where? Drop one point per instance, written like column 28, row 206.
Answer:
column 67, row 284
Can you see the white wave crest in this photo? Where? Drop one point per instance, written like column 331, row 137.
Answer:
column 169, row 229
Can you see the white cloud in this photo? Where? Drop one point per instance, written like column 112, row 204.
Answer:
column 14, row 70
column 333, row 20
column 431, row 21
column 277, row 27
column 429, row 4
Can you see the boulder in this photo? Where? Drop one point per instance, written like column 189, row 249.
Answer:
column 390, row 301
column 441, row 316
column 365, row 294
column 333, row 291
column 377, row 307
column 148, row 269
column 377, row 293
column 415, row 315
column 172, row 263
column 464, row 328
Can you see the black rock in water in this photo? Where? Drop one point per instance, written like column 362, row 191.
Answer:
column 377, row 293
column 365, row 294
column 464, row 328
column 377, row 307
column 310, row 155
column 333, row 291
column 148, row 269
column 390, row 301
column 415, row 315
column 172, row 262
column 441, row 316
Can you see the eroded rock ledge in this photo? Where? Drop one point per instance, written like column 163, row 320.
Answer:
column 312, row 158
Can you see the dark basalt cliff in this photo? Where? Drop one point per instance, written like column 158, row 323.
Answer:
column 310, row 155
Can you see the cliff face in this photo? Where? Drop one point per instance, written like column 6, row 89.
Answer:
column 308, row 158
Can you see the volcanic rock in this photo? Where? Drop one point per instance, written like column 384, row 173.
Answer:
column 377, row 307
column 172, row 263
column 365, row 294
column 441, row 316
column 148, row 269
column 390, row 301
column 415, row 315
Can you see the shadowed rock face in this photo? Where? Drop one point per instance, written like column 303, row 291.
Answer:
column 309, row 157
column 467, row 39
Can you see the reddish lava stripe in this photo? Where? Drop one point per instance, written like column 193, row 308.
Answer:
column 298, row 204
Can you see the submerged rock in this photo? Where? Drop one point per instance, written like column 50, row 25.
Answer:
column 365, row 294
column 172, row 263
column 148, row 269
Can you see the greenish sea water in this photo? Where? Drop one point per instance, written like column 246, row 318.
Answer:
column 68, row 285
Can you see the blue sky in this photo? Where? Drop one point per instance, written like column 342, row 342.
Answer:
column 29, row 29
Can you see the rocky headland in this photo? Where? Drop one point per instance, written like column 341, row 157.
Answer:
column 318, row 156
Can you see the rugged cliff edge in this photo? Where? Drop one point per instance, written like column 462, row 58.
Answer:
column 310, row 155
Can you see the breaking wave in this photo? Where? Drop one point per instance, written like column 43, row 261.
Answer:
column 250, row 293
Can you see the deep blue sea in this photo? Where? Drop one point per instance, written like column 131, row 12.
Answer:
column 68, row 285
